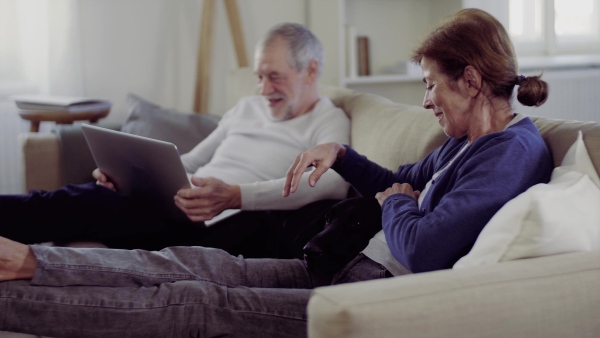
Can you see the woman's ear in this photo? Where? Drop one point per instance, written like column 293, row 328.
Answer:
column 473, row 80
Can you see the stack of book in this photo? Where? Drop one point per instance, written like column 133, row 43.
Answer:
column 47, row 103
column 358, row 61
column 364, row 64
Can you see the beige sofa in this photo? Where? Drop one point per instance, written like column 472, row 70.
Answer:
column 555, row 296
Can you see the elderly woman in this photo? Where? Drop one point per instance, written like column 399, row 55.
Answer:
column 433, row 211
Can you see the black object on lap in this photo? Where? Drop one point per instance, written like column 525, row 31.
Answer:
column 348, row 227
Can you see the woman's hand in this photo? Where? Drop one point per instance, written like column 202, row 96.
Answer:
column 208, row 199
column 102, row 180
column 322, row 157
column 397, row 188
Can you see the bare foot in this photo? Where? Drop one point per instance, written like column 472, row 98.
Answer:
column 17, row 261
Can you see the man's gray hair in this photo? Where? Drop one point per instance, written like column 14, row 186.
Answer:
column 303, row 45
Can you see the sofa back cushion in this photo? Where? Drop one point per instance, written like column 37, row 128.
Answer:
column 184, row 129
column 393, row 134
column 390, row 133
column 559, row 135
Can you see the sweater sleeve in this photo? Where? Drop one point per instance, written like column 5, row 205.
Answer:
column 330, row 125
column 466, row 197
column 203, row 152
column 267, row 195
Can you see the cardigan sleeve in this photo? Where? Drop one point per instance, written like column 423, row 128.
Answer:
column 369, row 178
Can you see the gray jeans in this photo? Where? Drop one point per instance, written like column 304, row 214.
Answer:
column 176, row 292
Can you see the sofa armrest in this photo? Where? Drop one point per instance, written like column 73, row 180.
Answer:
column 41, row 161
column 51, row 160
column 76, row 159
column 555, row 296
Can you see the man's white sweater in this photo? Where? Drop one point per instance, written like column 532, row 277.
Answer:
column 251, row 149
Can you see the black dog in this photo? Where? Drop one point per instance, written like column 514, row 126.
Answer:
column 348, row 227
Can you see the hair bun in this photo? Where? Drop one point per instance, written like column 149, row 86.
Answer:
column 532, row 91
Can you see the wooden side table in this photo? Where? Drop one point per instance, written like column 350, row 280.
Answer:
column 59, row 117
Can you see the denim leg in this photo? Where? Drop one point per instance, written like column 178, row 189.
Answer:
column 177, row 292
column 114, row 267
column 179, row 309
column 361, row 268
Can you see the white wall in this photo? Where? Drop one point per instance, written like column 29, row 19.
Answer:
column 149, row 47
column 257, row 17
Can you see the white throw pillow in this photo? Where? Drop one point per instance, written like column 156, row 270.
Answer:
column 558, row 217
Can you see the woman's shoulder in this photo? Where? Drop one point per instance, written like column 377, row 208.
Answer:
column 521, row 130
column 525, row 131
column 521, row 137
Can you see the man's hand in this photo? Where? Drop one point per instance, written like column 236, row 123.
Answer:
column 208, row 199
column 102, row 180
column 397, row 188
column 322, row 157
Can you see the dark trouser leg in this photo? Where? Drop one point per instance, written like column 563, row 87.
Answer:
column 275, row 234
column 75, row 212
column 93, row 213
column 246, row 233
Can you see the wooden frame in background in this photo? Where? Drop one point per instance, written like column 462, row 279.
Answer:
column 201, row 91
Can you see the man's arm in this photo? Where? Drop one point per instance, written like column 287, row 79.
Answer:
column 208, row 198
column 267, row 195
column 211, row 196
column 203, row 152
column 331, row 125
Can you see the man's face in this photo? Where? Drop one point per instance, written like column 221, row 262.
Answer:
column 279, row 83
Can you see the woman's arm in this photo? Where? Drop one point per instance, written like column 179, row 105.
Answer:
column 460, row 203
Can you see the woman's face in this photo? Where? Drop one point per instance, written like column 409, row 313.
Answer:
column 447, row 98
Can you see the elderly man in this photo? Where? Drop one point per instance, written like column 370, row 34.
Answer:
column 241, row 165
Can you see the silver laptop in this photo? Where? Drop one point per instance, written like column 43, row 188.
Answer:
column 139, row 165
column 142, row 165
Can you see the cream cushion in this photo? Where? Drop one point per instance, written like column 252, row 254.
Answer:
column 559, row 217
column 389, row 133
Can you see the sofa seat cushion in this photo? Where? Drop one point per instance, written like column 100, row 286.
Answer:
column 548, row 297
